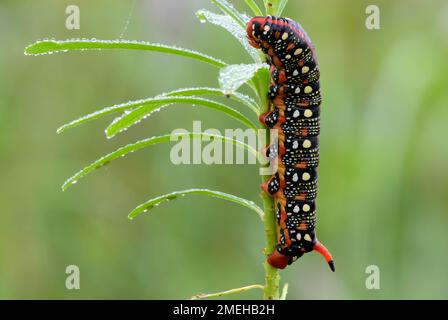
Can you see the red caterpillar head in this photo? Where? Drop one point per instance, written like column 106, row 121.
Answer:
column 254, row 30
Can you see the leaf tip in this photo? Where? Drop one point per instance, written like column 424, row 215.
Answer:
column 109, row 132
column 29, row 49
column 132, row 215
column 39, row 47
column 109, row 135
column 200, row 14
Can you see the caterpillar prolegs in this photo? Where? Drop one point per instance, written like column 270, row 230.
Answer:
column 295, row 112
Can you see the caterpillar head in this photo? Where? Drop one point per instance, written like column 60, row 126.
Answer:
column 254, row 30
column 281, row 261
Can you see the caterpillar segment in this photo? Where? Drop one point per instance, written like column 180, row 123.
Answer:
column 295, row 112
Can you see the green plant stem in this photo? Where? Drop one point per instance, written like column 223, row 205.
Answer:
column 272, row 277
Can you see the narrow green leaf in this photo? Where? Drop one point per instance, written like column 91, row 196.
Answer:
column 148, row 107
column 98, row 114
column 237, row 96
column 254, row 7
column 181, row 92
column 149, row 142
column 230, row 26
column 227, row 292
column 234, row 76
column 53, row 46
column 229, row 9
column 281, row 7
column 174, row 195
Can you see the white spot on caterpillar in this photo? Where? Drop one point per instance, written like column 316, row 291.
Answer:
column 306, row 144
column 299, row 236
column 296, row 209
column 295, row 73
column 308, row 113
column 296, row 114
column 288, row 56
column 295, row 177
column 297, row 91
column 295, row 144
column 267, row 28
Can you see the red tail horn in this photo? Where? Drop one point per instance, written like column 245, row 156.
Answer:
column 319, row 247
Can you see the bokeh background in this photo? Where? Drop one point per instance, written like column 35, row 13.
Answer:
column 383, row 196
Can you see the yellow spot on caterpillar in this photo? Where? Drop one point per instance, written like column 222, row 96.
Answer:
column 308, row 89
column 288, row 56
column 306, row 207
column 305, row 69
column 306, row 144
column 307, row 237
column 308, row 113
column 285, row 36
column 298, row 51
column 305, row 177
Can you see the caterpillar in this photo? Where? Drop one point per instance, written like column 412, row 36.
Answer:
column 295, row 99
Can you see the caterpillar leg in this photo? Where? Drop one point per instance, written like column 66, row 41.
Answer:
column 271, row 118
column 273, row 185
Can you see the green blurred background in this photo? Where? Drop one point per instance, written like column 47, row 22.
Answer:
column 383, row 196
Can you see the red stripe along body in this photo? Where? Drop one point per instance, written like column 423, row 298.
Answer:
column 295, row 111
